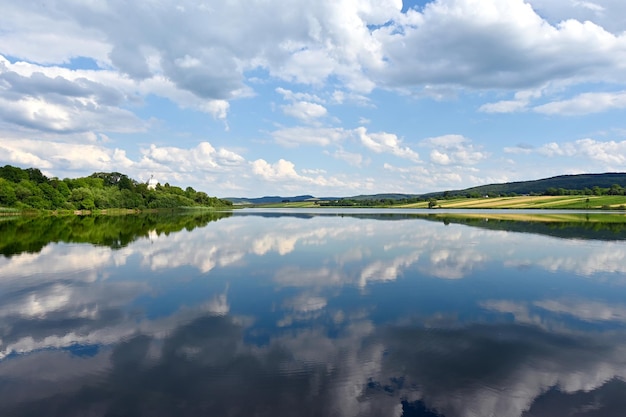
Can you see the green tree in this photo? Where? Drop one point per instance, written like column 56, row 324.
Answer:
column 83, row 198
column 7, row 193
column 13, row 174
column 616, row 189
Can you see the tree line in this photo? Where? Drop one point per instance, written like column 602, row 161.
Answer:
column 615, row 189
column 30, row 189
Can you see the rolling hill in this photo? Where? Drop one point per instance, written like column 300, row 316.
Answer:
column 567, row 182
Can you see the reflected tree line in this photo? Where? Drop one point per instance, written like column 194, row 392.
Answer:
column 32, row 234
column 583, row 229
column 583, row 226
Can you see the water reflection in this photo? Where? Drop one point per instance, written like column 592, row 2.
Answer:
column 332, row 315
column 31, row 234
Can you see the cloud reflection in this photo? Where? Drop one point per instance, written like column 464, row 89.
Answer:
column 301, row 337
column 206, row 366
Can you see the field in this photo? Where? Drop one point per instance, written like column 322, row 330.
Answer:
column 582, row 202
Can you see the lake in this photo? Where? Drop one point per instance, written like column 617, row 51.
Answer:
column 314, row 313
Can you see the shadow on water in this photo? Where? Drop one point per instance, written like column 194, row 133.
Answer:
column 32, row 234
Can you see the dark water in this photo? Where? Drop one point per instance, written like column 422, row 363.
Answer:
column 348, row 313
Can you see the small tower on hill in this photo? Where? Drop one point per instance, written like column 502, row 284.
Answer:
column 152, row 183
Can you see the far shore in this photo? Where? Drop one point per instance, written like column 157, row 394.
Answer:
column 615, row 203
column 566, row 202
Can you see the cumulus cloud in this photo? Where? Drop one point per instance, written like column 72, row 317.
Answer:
column 293, row 96
column 606, row 13
column 66, row 156
column 608, row 153
column 383, row 142
column 585, row 104
column 322, row 136
column 124, row 58
column 363, row 45
column 520, row 103
column 280, row 170
column 305, row 110
column 62, row 101
column 303, row 106
column 284, row 173
column 453, row 150
column 500, row 44
column 203, row 157
column 351, row 158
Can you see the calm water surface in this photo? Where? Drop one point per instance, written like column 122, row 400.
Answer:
column 321, row 313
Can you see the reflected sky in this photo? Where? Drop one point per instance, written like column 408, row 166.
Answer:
column 338, row 315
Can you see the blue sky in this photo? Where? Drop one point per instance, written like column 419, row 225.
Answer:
column 330, row 98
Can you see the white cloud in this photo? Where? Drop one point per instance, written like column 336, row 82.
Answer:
column 66, row 156
column 586, row 103
column 323, row 58
column 610, row 154
column 63, row 101
column 294, row 136
column 440, row 157
column 364, row 44
column 298, row 96
column 499, row 44
column 284, row 177
column 278, row 171
column 204, row 157
column 60, row 100
column 520, row 103
column 354, row 159
column 606, row 13
column 504, row 106
column 305, row 111
column 453, row 150
column 384, row 142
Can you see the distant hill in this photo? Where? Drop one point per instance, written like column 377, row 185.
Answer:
column 391, row 196
column 567, row 182
column 541, row 186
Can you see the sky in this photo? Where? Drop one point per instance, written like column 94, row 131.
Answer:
column 325, row 97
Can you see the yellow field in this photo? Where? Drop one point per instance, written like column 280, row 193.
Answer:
column 529, row 202
column 519, row 202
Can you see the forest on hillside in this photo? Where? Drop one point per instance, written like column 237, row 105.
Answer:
column 31, row 189
column 610, row 183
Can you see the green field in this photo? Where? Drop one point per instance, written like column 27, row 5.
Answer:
column 531, row 202
column 582, row 202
